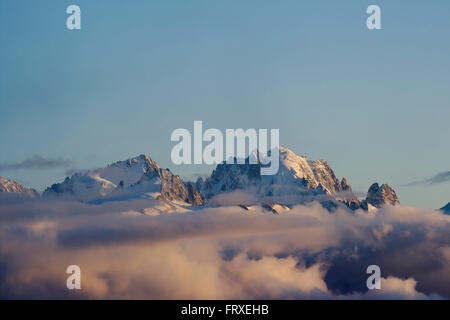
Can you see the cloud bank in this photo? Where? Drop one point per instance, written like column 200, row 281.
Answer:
column 36, row 162
column 220, row 253
column 442, row 177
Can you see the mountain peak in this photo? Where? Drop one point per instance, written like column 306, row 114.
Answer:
column 297, row 179
column 380, row 196
column 144, row 161
column 11, row 186
column 317, row 173
column 7, row 185
column 134, row 177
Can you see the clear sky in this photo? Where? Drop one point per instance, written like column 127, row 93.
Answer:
column 374, row 104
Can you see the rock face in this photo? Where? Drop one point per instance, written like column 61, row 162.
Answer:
column 11, row 186
column 230, row 177
column 172, row 187
column 381, row 196
column 446, row 209
column 133, row 178
column 298, row 180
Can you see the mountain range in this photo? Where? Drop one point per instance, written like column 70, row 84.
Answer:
column 298, row 181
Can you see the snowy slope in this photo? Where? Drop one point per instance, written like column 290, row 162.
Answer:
column 138, row 177
column 98, row 183
column 316, row 174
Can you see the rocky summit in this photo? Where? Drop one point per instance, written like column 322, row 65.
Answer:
column 381, row 196
column 11, row 186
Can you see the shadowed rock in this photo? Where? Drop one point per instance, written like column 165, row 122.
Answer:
column 446, row 209
column 381, row 196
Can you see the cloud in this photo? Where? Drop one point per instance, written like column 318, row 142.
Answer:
column 37, row 163
column 395, row 288
column 72, row 171
column 442, row 177
column 233, row 198
column 220, row 253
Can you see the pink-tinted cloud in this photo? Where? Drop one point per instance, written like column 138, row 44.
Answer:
column 221, row 253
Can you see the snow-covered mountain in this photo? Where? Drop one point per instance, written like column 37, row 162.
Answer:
column 11, row 186
column 133, row 178
column 298, row 180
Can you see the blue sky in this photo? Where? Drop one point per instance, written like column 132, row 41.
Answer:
column 374, row 104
